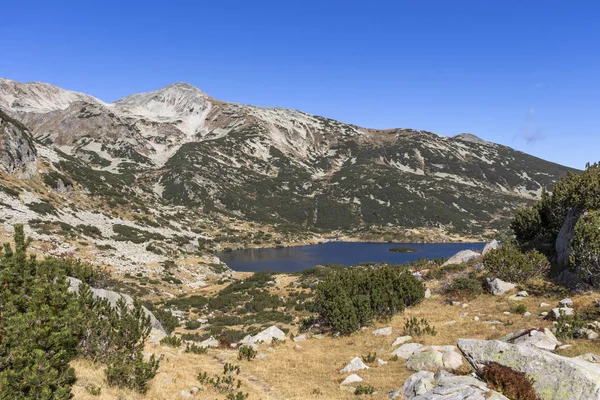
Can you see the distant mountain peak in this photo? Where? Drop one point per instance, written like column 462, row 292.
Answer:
column 38, row 97
column 469, row 137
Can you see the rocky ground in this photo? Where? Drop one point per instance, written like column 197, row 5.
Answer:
column 510, row 325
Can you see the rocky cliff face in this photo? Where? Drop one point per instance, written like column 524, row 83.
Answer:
column 279, row 165
column 18, row 154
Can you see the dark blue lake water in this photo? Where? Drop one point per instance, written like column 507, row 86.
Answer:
column 293, row 259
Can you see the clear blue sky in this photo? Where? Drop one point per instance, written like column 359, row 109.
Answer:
column 522, row 73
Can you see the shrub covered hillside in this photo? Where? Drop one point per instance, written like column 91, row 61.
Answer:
column 43, row 326
column 564, row 226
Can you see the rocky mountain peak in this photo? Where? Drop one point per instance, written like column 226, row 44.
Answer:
column 38, row 97
column 469, row 137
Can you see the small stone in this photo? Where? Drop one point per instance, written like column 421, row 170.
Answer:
column 352, row 379
column 556, row 312
column 515, row 297
column 506, row 313
column 383, row 331
column 544, row 313
column 456, row 303
column 427, row 293
column 498, row 287
column 185, row 394
column 355, row 365
column 463, row 315
column 465, row 305
column 194, row 390
column 401, row 340
column 522, row 293
column 452, row 322
column 476, row 318
column 542, row 305
column 592, row 335
column 527, row 314
column 300, row 338
column 381, row 362
column 566, row 302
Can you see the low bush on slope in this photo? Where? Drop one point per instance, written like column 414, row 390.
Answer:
column 353, row 297
column 43, row 327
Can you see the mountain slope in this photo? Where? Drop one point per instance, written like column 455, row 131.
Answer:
column 182, row 147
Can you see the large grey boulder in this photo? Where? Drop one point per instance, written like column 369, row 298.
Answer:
column 435, row 358
column 462, row 257
column 444, row 386
column 113, row 297
column 267, row 336
column 554, row 377
column 493, row 245
column 498, row 287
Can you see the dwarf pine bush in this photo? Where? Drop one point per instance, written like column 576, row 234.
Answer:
column 350, row 298
column 43, row 326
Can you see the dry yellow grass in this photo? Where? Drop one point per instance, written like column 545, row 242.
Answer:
column 311, row 371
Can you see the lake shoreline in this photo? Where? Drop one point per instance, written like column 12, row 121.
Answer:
column 301, row 257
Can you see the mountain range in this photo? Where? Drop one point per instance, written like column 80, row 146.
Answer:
column 179, row 148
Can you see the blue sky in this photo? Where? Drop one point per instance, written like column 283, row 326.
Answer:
column 520, row 73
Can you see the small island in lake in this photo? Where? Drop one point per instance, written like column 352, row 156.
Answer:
column 403, row 249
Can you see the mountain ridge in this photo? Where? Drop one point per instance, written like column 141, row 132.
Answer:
column 179, row 147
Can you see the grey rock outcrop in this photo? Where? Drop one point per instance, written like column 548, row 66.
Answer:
column 267, row 336
column 434, row 358
column 542, row 339
column 554, row 377
column 493, row 245
column 462, row 257
column 444, row 386
column 113, row 297
column 17, row 150
column 498, row 287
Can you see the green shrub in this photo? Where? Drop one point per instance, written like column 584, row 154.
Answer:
column 168, row 321
column 44, row 326
column 125, row 372
column 350, row 298
column 246, row 352
column 226, row 382
column 465, row 287
column 171, row 340
column 364, row 389
column 192, row 324
column 195, row 349
column 569, row 326
column 584, row 256
column 511, row 264
column 418, row 327
column 370, row 357
column 519, row 308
